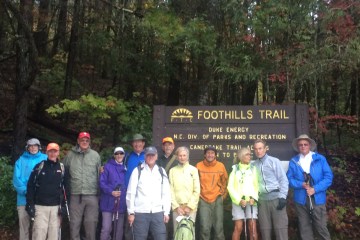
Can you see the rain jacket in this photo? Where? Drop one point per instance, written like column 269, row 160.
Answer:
column 243, row 182
column 83, row 170
column 213, row 180
column 112, row 177
column 184, row 186
column 321, row 176
column 22, row 170
column 273, row 182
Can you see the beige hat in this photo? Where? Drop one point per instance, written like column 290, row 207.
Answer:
column 303, row 137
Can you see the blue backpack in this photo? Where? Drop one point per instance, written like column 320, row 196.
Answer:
column 185, row 229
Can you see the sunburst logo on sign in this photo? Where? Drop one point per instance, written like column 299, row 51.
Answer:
column 181, row 114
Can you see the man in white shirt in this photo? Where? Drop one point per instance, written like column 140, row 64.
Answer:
column 148, row 198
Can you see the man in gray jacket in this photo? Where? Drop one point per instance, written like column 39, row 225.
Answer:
column 82, row 165
column 273, row 190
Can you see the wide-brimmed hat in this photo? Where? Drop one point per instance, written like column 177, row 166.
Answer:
column 304, row 137
column 136, row 137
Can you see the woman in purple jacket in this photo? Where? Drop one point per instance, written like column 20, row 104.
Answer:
column 112, row 198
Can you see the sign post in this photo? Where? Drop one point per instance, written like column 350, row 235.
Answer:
column 229, row 128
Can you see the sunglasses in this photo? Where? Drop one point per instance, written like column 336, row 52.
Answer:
column 303, row 145
column 119, row 153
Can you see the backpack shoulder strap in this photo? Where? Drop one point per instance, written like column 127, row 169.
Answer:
column 140, row 167
column 170, row 162
column 37, row 172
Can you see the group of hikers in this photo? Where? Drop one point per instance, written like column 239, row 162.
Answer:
column 146, row 195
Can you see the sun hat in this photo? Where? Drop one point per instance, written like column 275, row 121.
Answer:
column 303, row 137
column 137, row 136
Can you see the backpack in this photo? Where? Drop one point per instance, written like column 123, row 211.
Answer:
column 185, row 229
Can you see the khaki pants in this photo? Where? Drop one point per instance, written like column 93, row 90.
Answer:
column 47, row 223
column 24, row 223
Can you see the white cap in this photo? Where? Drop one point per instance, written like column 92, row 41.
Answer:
column 119, row 149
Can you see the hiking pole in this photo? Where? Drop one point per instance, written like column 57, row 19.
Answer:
column 252, row 220
column 116, row 212
column 244, row 209
column 311, row 207
column 66, row 204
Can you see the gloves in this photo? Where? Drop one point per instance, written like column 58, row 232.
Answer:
column 30, row 209
column 282, row 203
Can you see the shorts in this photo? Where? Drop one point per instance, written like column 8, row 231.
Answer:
column 238, row 212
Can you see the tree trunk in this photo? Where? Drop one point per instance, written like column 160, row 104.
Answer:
column 41, row 34
column 72, row 50
column 2, row 30
column 26, row 69
column 60, row 36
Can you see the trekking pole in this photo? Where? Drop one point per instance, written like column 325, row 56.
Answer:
column 311, row 207
column 116, row 213
column 244, row 209
column 66, row 203
column 252, row 220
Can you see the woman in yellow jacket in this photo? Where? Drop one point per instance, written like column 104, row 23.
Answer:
column 184, row 186
column 243, row 190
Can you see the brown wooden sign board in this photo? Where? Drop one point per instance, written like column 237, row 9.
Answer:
column 229, row 128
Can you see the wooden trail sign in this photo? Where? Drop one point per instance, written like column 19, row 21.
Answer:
column 229, row 128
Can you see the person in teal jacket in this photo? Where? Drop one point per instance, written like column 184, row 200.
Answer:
column 22, row 170
column 243, row 190
column 310, row 176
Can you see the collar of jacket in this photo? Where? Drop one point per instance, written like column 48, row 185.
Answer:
column 210, row 164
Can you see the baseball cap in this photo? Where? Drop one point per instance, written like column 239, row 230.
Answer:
column 119, row 149
column 210, row 148
column 52, row 146
column 150, row 150
column 84, row 135
column 168, row 139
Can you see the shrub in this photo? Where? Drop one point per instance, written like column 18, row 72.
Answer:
column 7, row 193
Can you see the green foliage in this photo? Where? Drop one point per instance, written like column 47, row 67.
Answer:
column 357, row 211
column 99, row 114
column 7, row 193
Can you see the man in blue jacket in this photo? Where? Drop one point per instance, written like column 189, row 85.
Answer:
column 310, row 176
column 22, row 170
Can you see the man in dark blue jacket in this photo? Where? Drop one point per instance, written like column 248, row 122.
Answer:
column 310, row 176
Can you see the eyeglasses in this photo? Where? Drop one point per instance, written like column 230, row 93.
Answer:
column 119, row 153
column 303, row 145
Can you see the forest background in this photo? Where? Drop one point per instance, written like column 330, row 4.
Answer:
column 100, row 65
